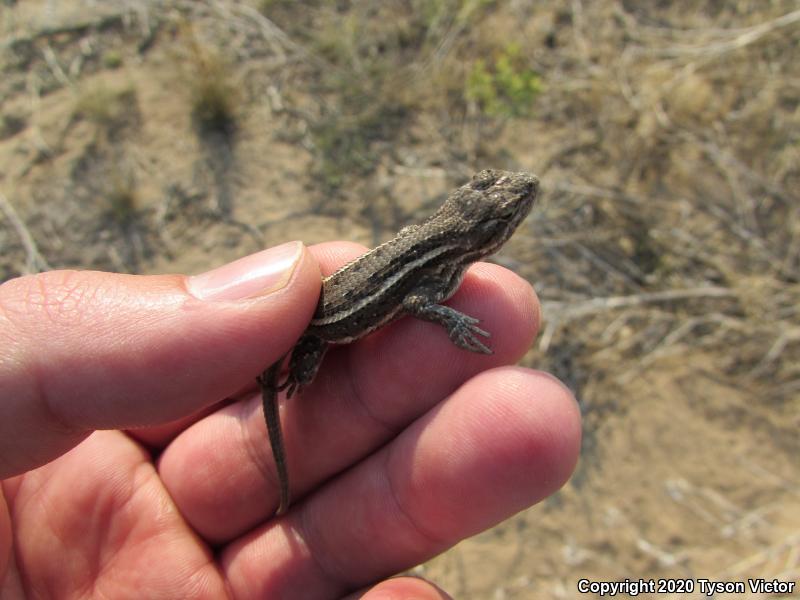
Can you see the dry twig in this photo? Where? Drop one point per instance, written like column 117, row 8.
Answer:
column 35, row 261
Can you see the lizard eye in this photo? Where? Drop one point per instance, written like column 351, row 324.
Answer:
column 506, row 209
column 483, row 180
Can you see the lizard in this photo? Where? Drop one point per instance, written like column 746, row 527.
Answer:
column 411, row 274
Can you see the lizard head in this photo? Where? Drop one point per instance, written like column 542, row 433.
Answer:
column 488, row 209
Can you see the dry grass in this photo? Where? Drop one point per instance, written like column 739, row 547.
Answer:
column 666, row 250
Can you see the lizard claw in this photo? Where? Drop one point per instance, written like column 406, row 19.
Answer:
column 291, row 385
column 464, row 335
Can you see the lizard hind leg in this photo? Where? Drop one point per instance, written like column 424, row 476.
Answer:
column 304, row 363
column 290, row 385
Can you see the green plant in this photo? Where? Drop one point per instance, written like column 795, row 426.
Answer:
column 112, row 59
column 506, row 87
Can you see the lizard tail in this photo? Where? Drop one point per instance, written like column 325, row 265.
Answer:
column 268, row 381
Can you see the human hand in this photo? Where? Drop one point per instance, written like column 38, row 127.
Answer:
column 135, row 457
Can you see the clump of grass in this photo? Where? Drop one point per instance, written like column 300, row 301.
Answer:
column 122, row 198
column 213, row 99
column 214, row 95
column 368, row 99
column 345, row 143
column 506, row 87
column 104, row 105
column 11, row 125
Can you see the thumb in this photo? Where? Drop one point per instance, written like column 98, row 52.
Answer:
column 84, row 350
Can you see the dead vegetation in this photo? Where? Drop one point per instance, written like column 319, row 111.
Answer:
column 667, row 136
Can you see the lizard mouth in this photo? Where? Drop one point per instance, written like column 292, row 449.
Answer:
column 521, row 190
column 518, row 191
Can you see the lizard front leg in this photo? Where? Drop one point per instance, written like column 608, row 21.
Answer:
column 462, row 329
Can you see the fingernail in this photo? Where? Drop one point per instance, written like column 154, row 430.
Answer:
column 249, row 277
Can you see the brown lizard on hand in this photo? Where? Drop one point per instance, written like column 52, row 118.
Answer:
column 411, row 274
